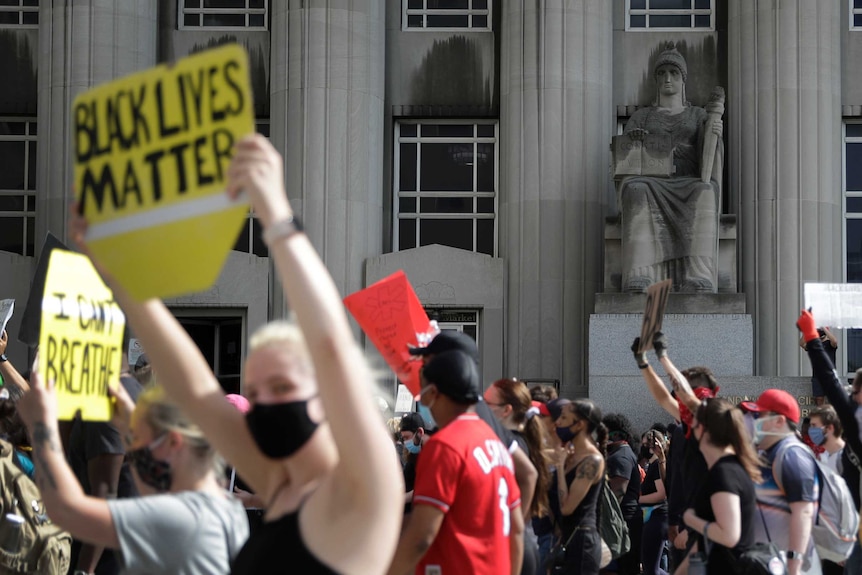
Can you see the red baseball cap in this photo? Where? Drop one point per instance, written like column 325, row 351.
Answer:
column 777, row 401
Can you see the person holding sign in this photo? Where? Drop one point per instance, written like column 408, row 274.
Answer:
column 8, row 373
column 309, row 446
column 187, row 525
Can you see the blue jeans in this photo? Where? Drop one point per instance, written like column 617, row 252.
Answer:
column 545, row 543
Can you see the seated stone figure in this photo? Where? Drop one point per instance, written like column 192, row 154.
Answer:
column 670, row 225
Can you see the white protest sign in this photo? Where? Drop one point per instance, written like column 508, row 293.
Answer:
column 404, row 399
column 835, row 305
column 7, row 306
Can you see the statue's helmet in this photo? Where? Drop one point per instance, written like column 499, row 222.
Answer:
column 672, row 56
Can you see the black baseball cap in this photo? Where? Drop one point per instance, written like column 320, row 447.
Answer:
column 412, row 422
column 455, row 375
column 555, row 407
column 449, row 340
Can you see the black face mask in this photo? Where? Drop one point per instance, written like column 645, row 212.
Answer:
column 280, row 429
column 645, row 452
column 151, row 471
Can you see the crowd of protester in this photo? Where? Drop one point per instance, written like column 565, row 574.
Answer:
column 483, row 478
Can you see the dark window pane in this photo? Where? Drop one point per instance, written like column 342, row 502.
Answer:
column 30, row 18
column 192, row 3
column 485, row 205
column 30, row 3
column 406, row 234
column 11, row 203
column 853, row 162
column 31, row 234
column 262, row 128
column 447, row 21
column 480, row 4
column 31, row 166
column 446, row 205
column 33, row 130
column 256, row 20
column 480, row 21
column 854, row 130
column 857, row 4
column 12, row 235
column 453, row 233
column 407, row 168
column 230, row 348
column 638, row 4
column 447, row 130
column 470, row 330
column 203, row 334
column 12, row 128
column 408, row 130
column 854, row 251
column 257, row 4
column 227, row 20
column 669, row 4
column 854, row 205
column 241, row 244
column 8, row 18
column 414, row 21
column 31, row 203
column 258, row 247
column 485, row 130
column 854, row 350
column 701, row 21
column 485, row 167
column 8, row 2
column 229, row 383
column 224, row 3
column 663, row 21
column 637, row 22
column 191, row 20
column 485, row 237
column 702, row 4
column 857, row 20
column 407, row 205
column 445, row 168
column 448, row 4
column 11, row 165
column 414, row 4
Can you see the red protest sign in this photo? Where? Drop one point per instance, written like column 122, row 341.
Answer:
column 391, row 315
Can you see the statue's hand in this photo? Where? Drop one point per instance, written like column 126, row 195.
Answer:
column 717, row 127
column 637, row 134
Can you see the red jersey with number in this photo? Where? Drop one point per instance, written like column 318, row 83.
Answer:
column 466, row 472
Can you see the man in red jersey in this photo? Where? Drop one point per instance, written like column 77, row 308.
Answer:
column 466, row 503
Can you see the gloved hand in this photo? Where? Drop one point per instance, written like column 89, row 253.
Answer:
column 806, row 325
column 659, row 343
column 640, row 356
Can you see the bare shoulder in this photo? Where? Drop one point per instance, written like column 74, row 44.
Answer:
column 590, row 467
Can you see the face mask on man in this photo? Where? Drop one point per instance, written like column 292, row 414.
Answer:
column 817, row 435
column 760, row 434
column 425, row 410
column 413, row 447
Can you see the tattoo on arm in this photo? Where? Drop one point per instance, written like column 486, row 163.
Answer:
column 43, row 438
column 589, row 469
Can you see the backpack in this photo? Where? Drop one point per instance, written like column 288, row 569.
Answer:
column 612, row 526
column 45, row 548
column 836, row 523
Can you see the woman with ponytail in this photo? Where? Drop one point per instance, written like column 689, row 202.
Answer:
column 726, row 509
column 580, row 472
column 512, row 404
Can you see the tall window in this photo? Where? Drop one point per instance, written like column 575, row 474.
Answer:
column 223, row 14
column 853, row 228
column 19, row 13
column 856, row 14
column 219, row 335
column 17, row 185
column 658, row 15
column 446, row 14
column 446, row 180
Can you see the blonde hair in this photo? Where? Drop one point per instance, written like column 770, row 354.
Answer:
column 163, row 416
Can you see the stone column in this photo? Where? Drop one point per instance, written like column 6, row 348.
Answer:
column 556, row 121
column 785, row 162
column 81, row 44
column 327, row 120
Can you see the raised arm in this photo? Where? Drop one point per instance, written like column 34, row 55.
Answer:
column 654, row 383
column 680, row 383
column 367, row 470
column 86, row 518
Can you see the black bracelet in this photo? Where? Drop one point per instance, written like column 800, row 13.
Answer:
column 3, row 358
column 643, row 365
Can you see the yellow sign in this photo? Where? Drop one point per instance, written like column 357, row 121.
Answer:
column 81, row 338
column 151, row 155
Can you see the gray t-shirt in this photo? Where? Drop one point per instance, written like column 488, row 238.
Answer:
column 187, row 533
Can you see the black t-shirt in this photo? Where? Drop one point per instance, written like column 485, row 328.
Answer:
column 653, row 474
column 687, row 470
column 622, row 462
column 728, row 475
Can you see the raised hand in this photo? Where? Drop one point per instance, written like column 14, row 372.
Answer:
column 640, row 356
column 807, row 326
column 659, row 343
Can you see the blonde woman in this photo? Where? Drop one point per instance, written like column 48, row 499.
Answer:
column 312, row 446
column 172, row 462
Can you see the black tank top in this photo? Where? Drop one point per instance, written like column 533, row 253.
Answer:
column 276, row 546
column 584, row 515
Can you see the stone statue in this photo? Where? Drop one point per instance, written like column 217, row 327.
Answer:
column 670, row 224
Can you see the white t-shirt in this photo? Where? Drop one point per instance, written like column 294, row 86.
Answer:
column 187, row 533
column 831, row 460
